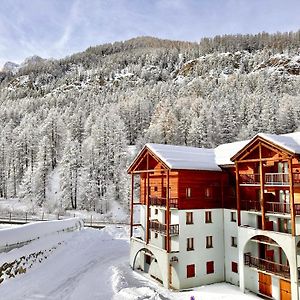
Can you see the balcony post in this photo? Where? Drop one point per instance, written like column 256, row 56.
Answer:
column 292, row 204
column 168, row 212
column 131, row 205
column 147, row 202
column 238, row 199
column 262, row 201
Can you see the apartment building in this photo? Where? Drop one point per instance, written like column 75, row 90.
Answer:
column 201, row 216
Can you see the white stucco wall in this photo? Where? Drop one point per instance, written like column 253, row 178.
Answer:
column 200, row 255
column 231, row 253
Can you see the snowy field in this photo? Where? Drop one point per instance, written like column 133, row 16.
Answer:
column 93, row 264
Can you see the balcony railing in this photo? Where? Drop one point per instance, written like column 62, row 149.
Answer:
column 250, row 205
column 156, row 226
column 249, row 178
column 270, row 179
column 276, row 178
column 159, row 201
column 279, row 207
column 266, row 265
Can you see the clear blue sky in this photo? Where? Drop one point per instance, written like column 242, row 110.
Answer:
column 56, row 28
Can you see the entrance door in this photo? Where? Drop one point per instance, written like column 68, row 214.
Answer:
column 265, row 284
column 285, row 290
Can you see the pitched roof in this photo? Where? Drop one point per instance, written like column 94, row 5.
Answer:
column 193, row 158
column 185, row 158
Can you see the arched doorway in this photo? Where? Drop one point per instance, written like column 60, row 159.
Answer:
column 266, row 268
column 146, row 262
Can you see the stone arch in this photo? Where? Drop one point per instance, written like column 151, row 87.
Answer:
column 160, row 256
column 147, row 262
column 285, row 241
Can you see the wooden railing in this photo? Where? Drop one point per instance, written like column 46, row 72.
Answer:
column 266, row 265
column 250, row 205
column 155, row 225
column 270, row 178
column 276, row 178
column 249, row 178
column 279, row 207
column 275, row 207
column 159, row 201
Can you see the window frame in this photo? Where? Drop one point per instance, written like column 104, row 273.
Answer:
column 208, row 217
column 190, row 271
column 190, row 244
column 189, row 218
column 210, row 267
column 234, row 267
column 234, row 241
column 188, row 192
column 233, row 216
column 209, row 242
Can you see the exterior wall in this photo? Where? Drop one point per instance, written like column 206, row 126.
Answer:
column 198, row 181
column 200, row 255
column 231, row 253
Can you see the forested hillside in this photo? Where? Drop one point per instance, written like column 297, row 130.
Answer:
column 66, row 124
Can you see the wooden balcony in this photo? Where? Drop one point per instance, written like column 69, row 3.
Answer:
column 273, row 179
column 266, row 266
column 159, row 201
column 156, row 226
column 277, row 179
column 250, row 205
column 270, row 207
column 249, row 179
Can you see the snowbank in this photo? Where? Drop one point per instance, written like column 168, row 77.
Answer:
column 32, row 231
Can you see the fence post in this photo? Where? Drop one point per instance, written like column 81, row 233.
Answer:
column 26, row 217
column 58, row 216
column 91, row 220
column 10, row 217
column 43, row 216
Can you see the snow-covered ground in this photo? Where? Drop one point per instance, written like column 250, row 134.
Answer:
column 93, row 264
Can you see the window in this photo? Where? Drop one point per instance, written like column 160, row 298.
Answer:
column 209, row 243
column 208, row 192
column 147, row 259
column 156, row 211
column 188, row 192
column 234, row 267
column 189, row 218
column 190, row 244
column 210, row 267
column 233, row 241
column 208, row 218
column 233, row 216
column 190, row 271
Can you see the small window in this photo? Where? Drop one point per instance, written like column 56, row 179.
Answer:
column 208, row 192
column 156, row 211
column 208, row 218
column 233, row 241
column 233, row 216
column 188, row 192
column 189, row 218
column 234, row 267
column 155, row 189
column 209, row 243
column 156, row 235
column 189, row 244
column 147, row 259
column 190, row 271
column 210, row 267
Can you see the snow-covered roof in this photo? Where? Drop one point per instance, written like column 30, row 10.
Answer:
column 185, row 158
column 290, row 141
column 225, row 151
column 193, row 158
